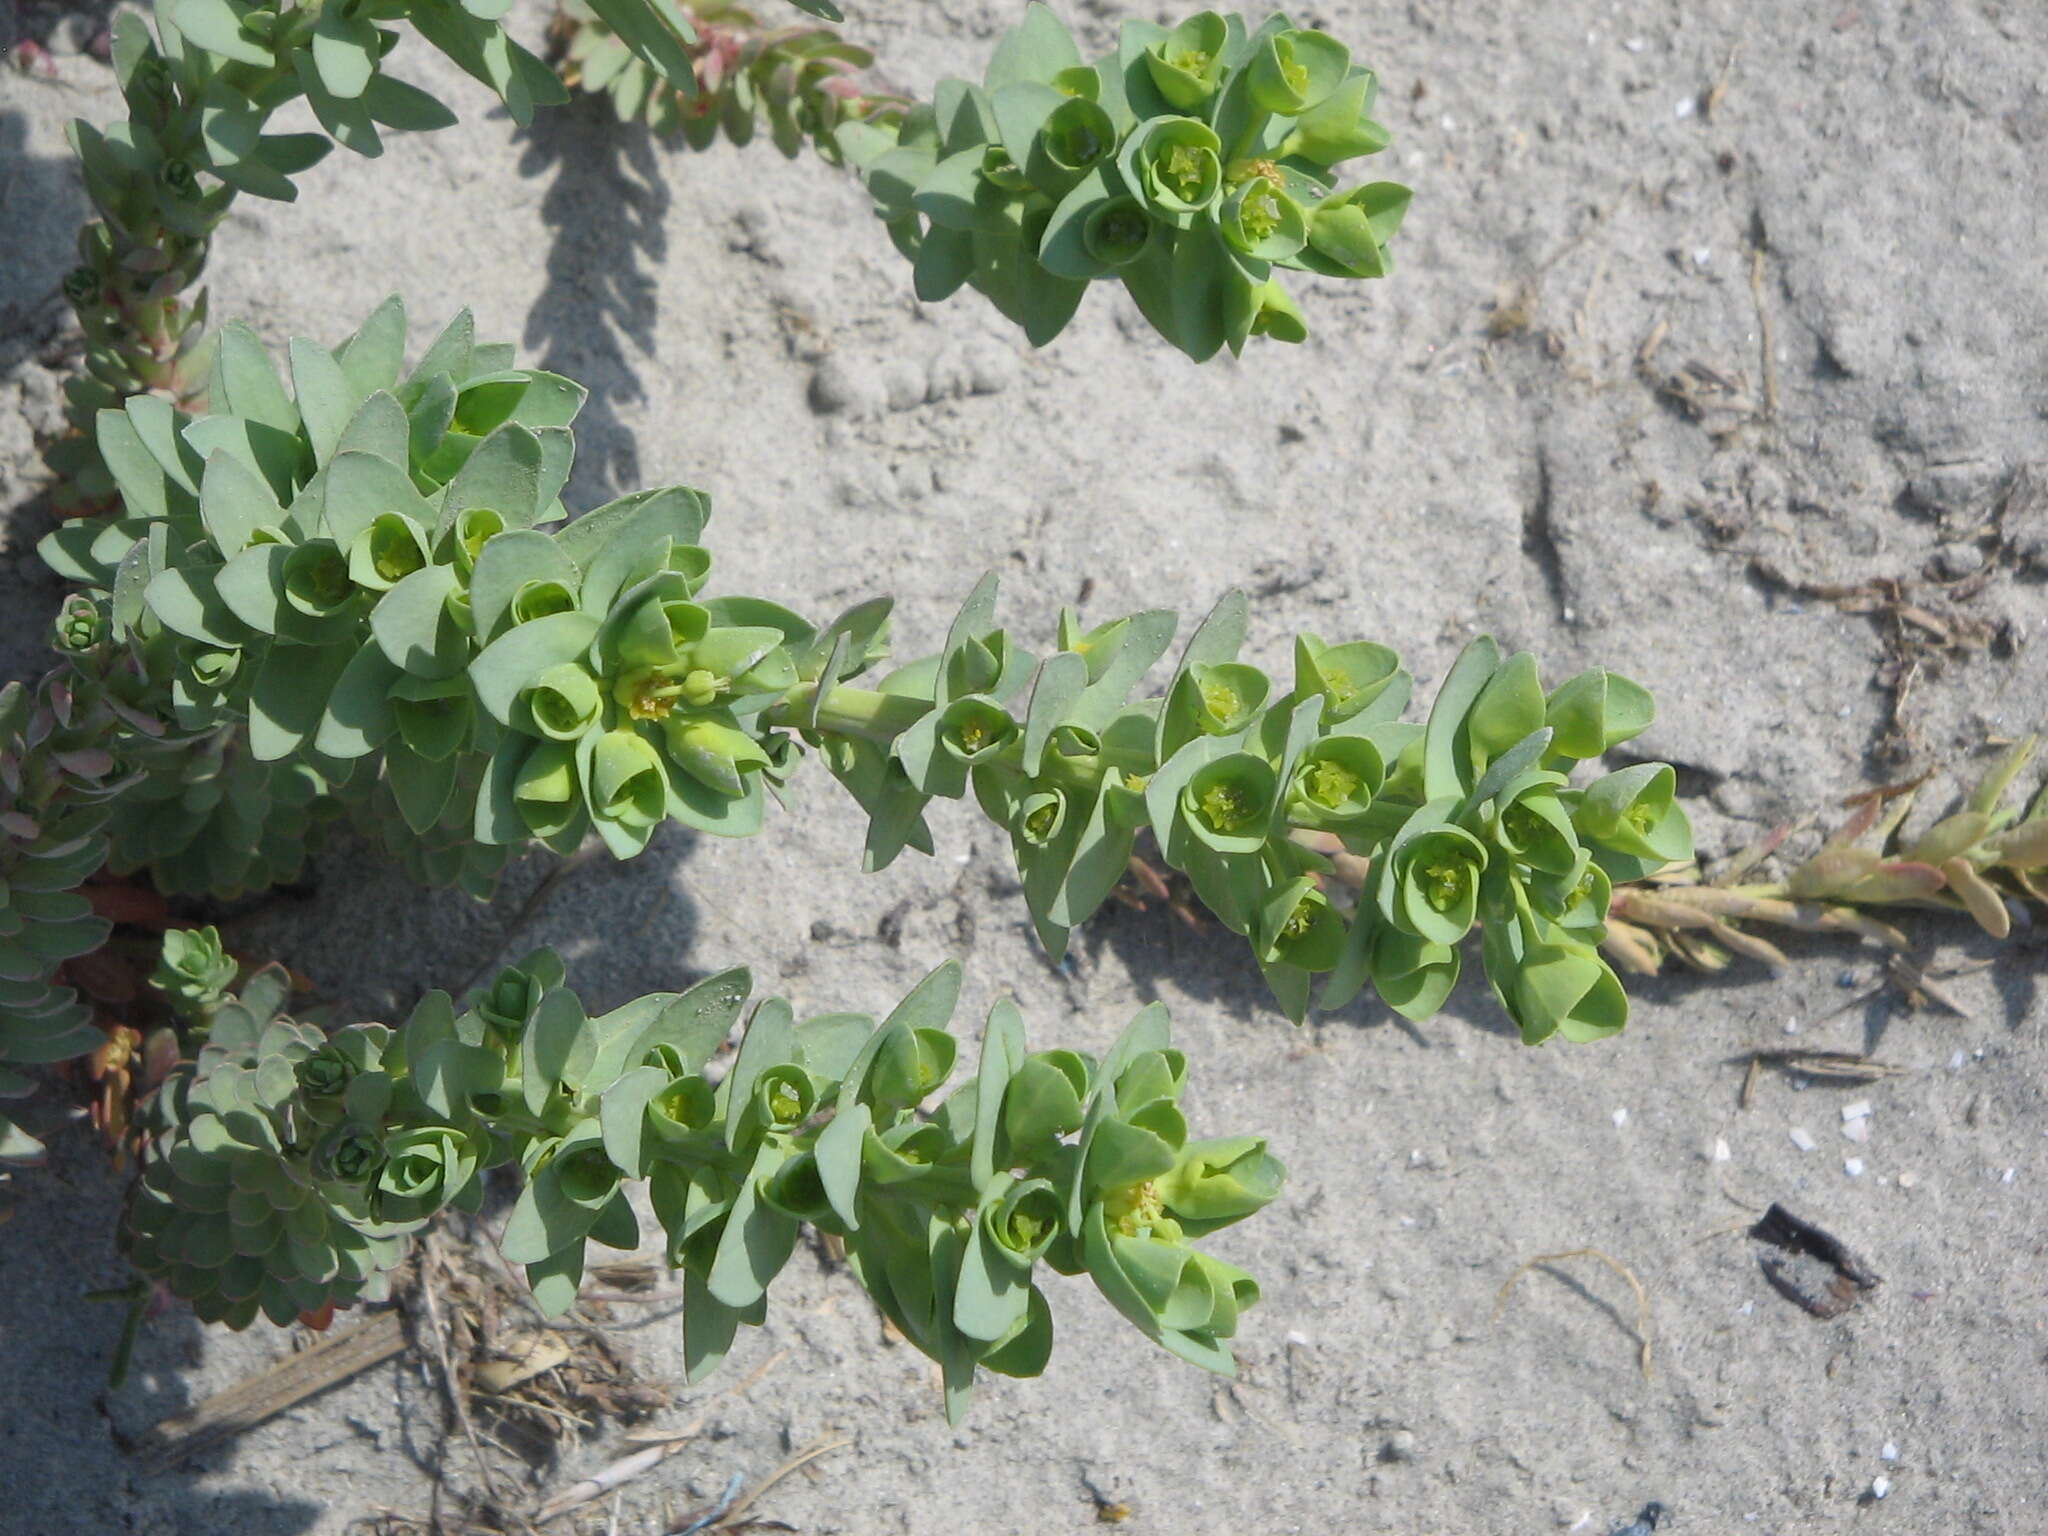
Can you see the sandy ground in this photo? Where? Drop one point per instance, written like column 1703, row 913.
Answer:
column 1687, row 287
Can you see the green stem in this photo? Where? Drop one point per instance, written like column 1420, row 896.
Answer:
column 1248, row 140
column 863, row 712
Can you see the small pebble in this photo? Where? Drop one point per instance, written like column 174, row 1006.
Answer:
column 1846, row 979
column 1685, row 108
column 1955, row 1062
column 1792, row 1026
column 1857, row 1130
column 1909, row 1181
column 1634, row 45
column 1296, row 1336
column 1721, row 1152
column 1400, row 1446
column 842, row 385
column 1745, row 1309
column 1853, row 1166
column 1620, row 1118
column 1889, row 1453
column 1860, row 1110
column 2008, row 1176
column 1880, row 1486
column 1803, row 1138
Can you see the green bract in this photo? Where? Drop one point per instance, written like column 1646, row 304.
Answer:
column 285, row 1171
column 1188, row 164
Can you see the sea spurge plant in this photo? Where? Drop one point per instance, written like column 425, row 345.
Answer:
column 286, row 1170
column 1470, row 819
column 354, row 592
column 1189, row 164
column 802, row 81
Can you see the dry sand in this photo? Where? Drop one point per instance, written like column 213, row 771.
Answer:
column 1829, row 221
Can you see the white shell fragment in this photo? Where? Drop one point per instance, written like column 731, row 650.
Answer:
column 1860, row 1110
column 1802, row 1138
column 1853, row 1166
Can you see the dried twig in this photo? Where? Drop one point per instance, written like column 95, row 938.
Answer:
column 626, row 1468
column 808, row 1454
column 1621, row 1269
column 458, row 1401
column 282, row 1385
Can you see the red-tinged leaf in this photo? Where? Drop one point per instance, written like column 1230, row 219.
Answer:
column 87, row 762
column 128, row 901
column 16, row 824
column 2024, row 846
column 318, row 1321
column 160, row 1053
column 1984, row 903
column 1831, row 871
column 104, row 976
column 1901, row 880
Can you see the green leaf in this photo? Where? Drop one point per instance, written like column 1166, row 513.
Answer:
column 556, row 1280
column 709, row 1326
column 187, row 604
column 1446, row 752
column 234, row 502
column 325, row 400
column 1035, row 50
column 216, row 26
column 370, row 359
column 649, row 38
column 359, row 717
column 770, row 1041
column 509, row 664
column 276, row 455
column 757, row 1240
column 289, row 696
column 405, row 107
column 412, row 623
column 228, row 126
column 839, row 1153
column 345, row 51
column 507, row 563
column 245, row 382
column 378, row 427
column 252, row 586
column 503, row 473
column 143, row 484
column 556, row 1050
column 623, row 1116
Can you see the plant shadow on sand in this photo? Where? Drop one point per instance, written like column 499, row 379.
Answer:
column 60, row 1245
column 605, row 206
column 1214, row 965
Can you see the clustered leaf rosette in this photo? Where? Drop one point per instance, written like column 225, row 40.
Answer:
column 264, row 1176
column 1469, row 820
column 289, row 1168
column 803, row 81
column 1191, row 164
column 194, row 973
